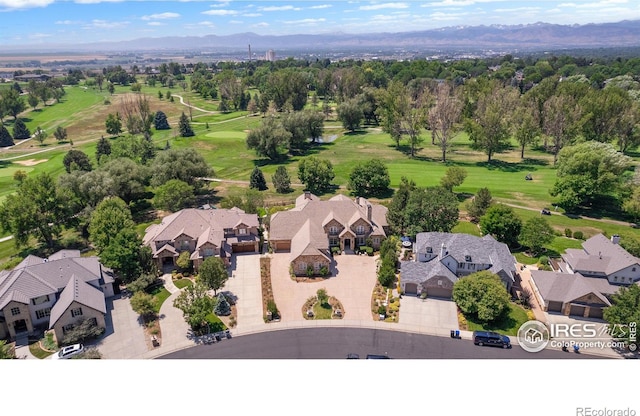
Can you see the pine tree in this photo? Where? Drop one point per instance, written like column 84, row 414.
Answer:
column 160, row 121
column 184, row 126
column 281, row 180
column 103, row 148
column 257, row 180
column 20, row 131
column 5, row 137
column 222, row 308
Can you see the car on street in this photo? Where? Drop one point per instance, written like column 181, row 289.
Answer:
column 492, row 339
column 68, row 352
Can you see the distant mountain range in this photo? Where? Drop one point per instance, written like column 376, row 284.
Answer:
column 538, row 36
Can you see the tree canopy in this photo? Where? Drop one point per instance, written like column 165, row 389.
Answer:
column 316, row 174
column 535, row 234
column 370, row 178
column 174, row 195
column 503, row 223
column 184, row 164
column 111, row 216
column 481, row 295
column 431, row 209
column 76, row 160
column 256, row 180
column 281, row 180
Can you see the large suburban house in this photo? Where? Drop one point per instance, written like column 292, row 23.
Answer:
column 586, row 278
column 203, row 233
column 310, row 229
column 53, row 293
column 440, row 259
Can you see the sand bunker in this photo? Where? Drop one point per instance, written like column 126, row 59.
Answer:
column 30, row 162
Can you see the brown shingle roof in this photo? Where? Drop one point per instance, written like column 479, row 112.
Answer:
column 566, row 287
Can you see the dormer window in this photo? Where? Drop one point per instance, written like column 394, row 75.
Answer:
column 360, row 229
column 333, row 230
column 429, row 250
column 467, row 259
column 242, row 231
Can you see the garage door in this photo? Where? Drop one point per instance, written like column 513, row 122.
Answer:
column 577, row 310
column 554, row 306
column 282, row 245
column 243, row 248
column 411, row 289
column 595, row 312
column 439, row 292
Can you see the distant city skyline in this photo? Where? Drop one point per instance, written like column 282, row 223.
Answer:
column 37, row 22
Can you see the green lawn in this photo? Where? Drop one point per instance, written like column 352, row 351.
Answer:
column 160, row 294
column 467, row 228
column 508, row 325
column 322, row 311
column 181, row 283
column 215, row 324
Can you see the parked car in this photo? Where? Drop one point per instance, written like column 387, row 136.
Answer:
column 545, row 211
column 492, row 339
column 68, row 352
column 377, row 357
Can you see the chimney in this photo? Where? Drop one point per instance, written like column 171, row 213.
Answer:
column 442, row 251
column 307, row 194
column 600, row 254
column 369, row 212
column 615, row 239
column 358, row 201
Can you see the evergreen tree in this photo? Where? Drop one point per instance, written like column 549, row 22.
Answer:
column 20, row 131
column 184, row 126
column 257, row 180
column 5, row 137
column 281, row 180
column 103, row 148
column 160, row 121
column 222, row 307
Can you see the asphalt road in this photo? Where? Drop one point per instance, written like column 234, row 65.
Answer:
column 336, row 343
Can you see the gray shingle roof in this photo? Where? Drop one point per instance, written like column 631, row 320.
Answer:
column 566, row 287
column 39, row 278
column 77, row 290
column 599, row 255
column 418, row 272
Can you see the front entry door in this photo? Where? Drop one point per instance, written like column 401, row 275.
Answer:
column 20, row 326
column 347, row 244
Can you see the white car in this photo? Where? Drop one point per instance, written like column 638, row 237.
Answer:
column 68, row 352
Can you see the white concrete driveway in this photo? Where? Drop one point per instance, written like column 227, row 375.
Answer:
column 352, row 285
column 245, row 285
column 428, row 315
column 124, row 335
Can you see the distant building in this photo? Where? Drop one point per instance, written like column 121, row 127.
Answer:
column 270, row 55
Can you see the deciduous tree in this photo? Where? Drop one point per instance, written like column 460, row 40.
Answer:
column 454, row 176
column 174, row 195
column 111, row 216
column 444, row 117
column 316, row 174
column 369, row 178
column 113, row 124
column 501, row 222
column 76, row 160
column 431, row 209
column 195, row 304
column 184, row 164
column 535, row 234
column 269, row 139
column 481, row 295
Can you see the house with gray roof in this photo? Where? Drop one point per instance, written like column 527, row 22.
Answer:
column 602, row 257
column 203, row 233
column 440, row 259
column 310, row 229
column 586, row 278
column 53, row 293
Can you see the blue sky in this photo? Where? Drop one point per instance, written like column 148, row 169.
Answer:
column 82, row 21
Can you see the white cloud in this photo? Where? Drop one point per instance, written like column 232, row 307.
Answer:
column 236, row 22
column 155, row 24
column 161, row 16
column 385, row 6
column 24, row 4
column 105, row 24
column 321, row 6
column 39, row 35
column 68, row 22
column 252, row 14
column 305, row 21
column 220, row 12
column 278, row 8
column 261, row 24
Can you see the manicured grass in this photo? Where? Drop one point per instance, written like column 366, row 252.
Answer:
column 215, row 324
column 467, row 228
column 181, row 283
column 38, row 352
column 322, row 311
column 508, row 325
column 160, row 294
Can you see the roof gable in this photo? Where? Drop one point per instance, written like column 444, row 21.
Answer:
column 78, row 291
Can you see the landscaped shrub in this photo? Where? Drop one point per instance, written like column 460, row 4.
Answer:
column 324, row 271
column 222, row 307
column 382, row 310
column 335, row 250
column 309, row 271
column 141, row 283
column 578, row 235
column 81, row 331
column 543, row 260
column 271, row 307
column 568, row 233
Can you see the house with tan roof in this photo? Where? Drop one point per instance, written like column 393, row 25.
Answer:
column 310, row 229
column 441, row 259
column 586, row 278
column 53, row 293
column 203, row 233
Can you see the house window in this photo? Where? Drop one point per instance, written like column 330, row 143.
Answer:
column 633, row 269
column 76, row 312
column 376, row 240
column 360, row 229
column 15, row 311
column 242, row 231
column 208, row 252
column 334, row 242
column 439, row 282
column 333, row 230
column 361, row 241
column 67, row 328
column 615, row 278
column 317, row 266
column 40, row 300
column 93, row 321
column 184, row 245
column 43, row 313
column 302, row 267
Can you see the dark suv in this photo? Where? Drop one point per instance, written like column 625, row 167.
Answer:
column 491, row 338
